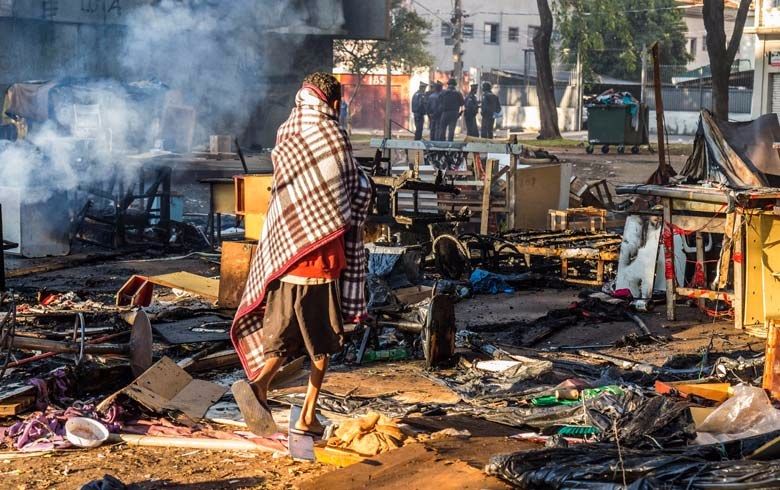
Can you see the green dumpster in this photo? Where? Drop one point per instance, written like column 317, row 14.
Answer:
column 614, row 125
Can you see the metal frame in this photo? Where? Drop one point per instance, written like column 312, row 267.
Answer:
column 453, row 146
column 684, row 206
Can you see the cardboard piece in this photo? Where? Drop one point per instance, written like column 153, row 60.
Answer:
column 538, row 189
column 167, row 387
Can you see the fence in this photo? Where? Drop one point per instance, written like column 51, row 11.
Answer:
column 684, row 91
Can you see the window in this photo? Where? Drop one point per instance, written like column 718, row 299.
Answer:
column 468, row 31
column 514, row 34
column 692, row 45
column 704, row 43
column 532, row 30
column 446, row 29
column 491, row 33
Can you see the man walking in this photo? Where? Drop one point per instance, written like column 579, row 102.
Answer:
column 434, row 110
column 470, row 110
column 451, row 100
column 307, row 274
column 491, row 106
column 419, row 109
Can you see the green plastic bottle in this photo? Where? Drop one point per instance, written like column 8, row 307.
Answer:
column 397, row 354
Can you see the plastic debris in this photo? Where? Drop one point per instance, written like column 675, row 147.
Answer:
column 748, row 412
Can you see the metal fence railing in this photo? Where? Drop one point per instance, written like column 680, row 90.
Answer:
column 683, row 90
column 697, row 98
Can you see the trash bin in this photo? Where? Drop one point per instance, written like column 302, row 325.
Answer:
column 613, row 125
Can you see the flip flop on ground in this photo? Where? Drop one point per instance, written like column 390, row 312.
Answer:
column 256, row 414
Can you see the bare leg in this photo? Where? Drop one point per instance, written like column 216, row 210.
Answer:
column 262, row 383
column 308, row 420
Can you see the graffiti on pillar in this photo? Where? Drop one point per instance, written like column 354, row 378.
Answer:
column 101, row 6
column 50, row 9
column 116, row 6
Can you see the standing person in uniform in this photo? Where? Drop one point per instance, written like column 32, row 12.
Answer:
column 434, row 111
column 419, row 109
column 470, row 110
column 307, row 276
column 490, row 107
column 451, row 100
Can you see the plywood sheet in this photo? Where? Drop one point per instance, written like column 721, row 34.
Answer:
column 165, row 386
column 538, row 189
column 192, row 283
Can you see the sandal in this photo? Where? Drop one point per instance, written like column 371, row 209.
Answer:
column 256, row 414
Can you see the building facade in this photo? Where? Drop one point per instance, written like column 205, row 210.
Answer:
column 696, row 36
column 766, row 82
column 271, row 45
column 497, row 34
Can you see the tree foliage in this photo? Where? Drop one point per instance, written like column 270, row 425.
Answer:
column 610, row 34
column 404, row 49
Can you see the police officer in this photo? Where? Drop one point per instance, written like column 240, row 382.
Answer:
column 470, row 111
column 451, row 100
column 490, row 107
column 419, row 109
column 434, row 110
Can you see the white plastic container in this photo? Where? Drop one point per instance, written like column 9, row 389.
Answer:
column 84, row 432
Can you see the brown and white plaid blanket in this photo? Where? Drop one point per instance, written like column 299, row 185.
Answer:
column 319, row 193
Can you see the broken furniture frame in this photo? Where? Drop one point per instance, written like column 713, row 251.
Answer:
column 741, row 217
column 121, row 196
column 562, row 219
column 221, row 201
column 598, row 247
column 435, row 152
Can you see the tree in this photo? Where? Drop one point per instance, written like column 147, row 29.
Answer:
column 721, row 54
column 611, row 34
column 545, row 85
column 405, row 47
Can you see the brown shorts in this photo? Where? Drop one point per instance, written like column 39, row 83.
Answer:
column 302, row 320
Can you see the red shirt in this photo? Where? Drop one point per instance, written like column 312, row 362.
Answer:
column 325, row 262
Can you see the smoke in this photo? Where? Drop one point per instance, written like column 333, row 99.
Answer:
column 214, row 56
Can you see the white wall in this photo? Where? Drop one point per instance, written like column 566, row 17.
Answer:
column 695, row 24
column 507, row 13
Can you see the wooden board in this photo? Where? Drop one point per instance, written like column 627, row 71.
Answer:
column 234, row 269
column 538, row 189
column 204, row 287
column 165, row 386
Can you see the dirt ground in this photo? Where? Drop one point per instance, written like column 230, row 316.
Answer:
column 441, row 464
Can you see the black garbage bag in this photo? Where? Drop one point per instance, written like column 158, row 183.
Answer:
column 605, row 466
column 108, row 482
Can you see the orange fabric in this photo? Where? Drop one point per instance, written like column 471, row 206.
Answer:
column 325, row 262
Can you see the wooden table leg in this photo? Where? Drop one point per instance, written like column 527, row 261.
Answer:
column 668, row 241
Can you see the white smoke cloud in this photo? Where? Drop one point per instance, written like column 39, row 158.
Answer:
column 215, row 55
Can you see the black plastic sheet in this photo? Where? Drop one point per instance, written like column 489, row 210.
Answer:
column 605, row 466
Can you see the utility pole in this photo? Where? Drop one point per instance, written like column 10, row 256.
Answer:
column 457, row 42
column 580, row 91
column 643, row 75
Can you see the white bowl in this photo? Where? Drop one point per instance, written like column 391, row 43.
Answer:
column 84, row 432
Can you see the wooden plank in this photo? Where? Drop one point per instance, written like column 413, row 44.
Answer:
column 16, row 405
column 192, row 283
column 738, row 259
column 485, row 210
column 701, row 294
column 669, row 258
column 233, row 271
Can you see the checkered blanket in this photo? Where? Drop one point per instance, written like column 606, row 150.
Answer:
column 319, row 193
